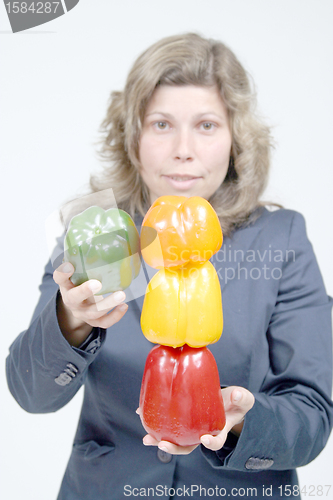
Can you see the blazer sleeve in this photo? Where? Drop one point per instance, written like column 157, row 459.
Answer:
column 292, row 417
column 43, row 370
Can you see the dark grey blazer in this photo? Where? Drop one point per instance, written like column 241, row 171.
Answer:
column 276, row 342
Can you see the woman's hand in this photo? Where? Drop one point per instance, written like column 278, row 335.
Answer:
column 237, row 402
column 79, row 310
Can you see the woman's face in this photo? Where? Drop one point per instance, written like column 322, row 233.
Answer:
column 185, row 142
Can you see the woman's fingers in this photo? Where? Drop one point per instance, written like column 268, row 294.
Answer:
column 168, row 447
column 95, row 310
column 113, row 317
column 76, row 295
column 62, row 274
column 174, row 449
column 214, row 442
column 109, row 302
column 96, row 306
column 148, row 440
column 237, row 402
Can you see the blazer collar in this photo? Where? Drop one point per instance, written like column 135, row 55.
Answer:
column 233, row 248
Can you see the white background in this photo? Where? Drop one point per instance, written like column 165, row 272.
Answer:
column 55, row 83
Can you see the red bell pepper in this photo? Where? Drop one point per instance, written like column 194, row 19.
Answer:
column 180, row 397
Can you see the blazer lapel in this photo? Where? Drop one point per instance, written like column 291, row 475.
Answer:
column 232, row 253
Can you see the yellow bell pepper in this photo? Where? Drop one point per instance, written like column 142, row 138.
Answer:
column 183, row 306
column 178, row 230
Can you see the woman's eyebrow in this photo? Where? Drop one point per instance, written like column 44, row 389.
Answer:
column 196, row 117
column 167, row 115
column 209, row 113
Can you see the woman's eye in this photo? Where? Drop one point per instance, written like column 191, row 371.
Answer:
column 161, row 125
column 207, row 126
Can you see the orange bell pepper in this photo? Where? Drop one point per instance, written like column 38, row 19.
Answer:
column 178, row 230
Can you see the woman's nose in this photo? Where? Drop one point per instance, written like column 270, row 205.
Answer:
column 183, row 148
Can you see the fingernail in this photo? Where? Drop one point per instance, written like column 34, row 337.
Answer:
column 119, row 296
column 205, row 440
column 95, row 285
column 66, row 268
column 163, row 448
column 123, row 307
column 237, row 395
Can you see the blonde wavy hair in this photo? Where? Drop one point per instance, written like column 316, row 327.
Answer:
column 187, row 59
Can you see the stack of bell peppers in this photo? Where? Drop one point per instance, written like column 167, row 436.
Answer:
column 180, row 397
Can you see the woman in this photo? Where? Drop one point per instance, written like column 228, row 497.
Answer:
column 186, row 125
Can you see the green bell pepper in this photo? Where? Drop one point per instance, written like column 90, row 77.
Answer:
column 103, row 245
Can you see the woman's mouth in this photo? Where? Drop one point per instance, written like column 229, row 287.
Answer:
column 181, row 182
